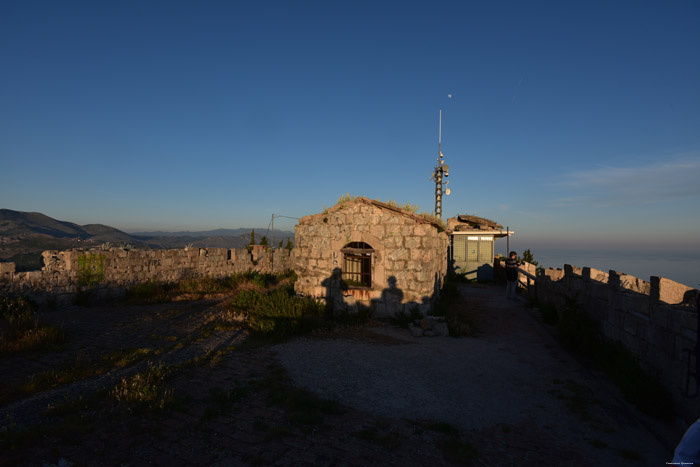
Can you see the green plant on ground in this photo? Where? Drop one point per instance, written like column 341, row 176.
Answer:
column 19, row 312
column 76, row 370
column 146, row 391
column 203, row 287
column 20, row 330
column 278, row 313
column 155, row 292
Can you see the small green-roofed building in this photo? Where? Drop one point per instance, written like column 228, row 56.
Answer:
column 472, row 240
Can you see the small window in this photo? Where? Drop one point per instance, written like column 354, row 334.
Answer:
column 357, row 264
column 486, row 250
column 459, row 248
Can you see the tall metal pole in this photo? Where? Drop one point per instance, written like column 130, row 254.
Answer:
column 439, row 173
column 272, row 245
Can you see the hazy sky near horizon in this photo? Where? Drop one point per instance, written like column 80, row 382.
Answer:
column 574, row 123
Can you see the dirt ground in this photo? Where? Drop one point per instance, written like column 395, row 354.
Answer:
column 369, row 395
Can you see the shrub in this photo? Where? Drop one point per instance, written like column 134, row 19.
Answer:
column 20, row 330
column 146, row 390
column 150, row 291
column 19, row 312
column 280, row 313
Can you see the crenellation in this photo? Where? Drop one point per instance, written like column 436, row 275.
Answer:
column 653, row 319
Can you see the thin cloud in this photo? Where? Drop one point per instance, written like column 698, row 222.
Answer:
column 571, row 201
column 609, row 186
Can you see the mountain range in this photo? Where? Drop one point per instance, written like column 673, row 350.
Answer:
column 25, row 235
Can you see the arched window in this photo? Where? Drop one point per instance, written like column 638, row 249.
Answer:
column 357, row 264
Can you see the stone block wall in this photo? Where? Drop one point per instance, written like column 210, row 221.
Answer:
column 656, row 320
column 409, row 261
column 110, row 273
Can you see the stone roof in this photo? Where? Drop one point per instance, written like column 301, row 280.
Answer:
column 419, row 219
column 468, row 222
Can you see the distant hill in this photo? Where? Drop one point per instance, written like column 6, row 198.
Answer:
column 25, row 235
column 204, row 233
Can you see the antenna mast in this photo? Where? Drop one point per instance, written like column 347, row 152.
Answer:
column 440, row 172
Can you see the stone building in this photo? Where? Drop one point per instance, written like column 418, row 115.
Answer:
column 365, row 253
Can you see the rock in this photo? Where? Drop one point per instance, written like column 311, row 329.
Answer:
column 415, row 330
column 426, row 324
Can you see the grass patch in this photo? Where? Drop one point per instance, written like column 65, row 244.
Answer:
column 146, row 391
column 204, row 287
column 80, row 369
column 279, row 313
column 20, row 330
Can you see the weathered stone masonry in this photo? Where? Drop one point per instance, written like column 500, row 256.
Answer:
column 110, row 273
column 655, row 320
column 408, row 257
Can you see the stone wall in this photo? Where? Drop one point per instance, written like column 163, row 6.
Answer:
column 110, row 273
column 656, row 320
column 409, row 261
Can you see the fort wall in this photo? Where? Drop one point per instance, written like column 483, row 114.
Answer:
column 110, row 273
column 656, row 319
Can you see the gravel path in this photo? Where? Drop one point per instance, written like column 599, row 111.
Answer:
column 513, row 374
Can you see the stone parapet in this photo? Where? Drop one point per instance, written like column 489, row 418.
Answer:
column 111, row 272
column 656, row 320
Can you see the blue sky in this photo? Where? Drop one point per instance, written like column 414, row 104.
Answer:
column 574, row 123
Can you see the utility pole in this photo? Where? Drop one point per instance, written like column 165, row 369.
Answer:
column 439, row 173
column 272, row 236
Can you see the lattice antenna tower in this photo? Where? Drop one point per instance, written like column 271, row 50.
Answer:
column 440, row 173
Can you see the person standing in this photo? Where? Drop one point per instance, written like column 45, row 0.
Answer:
column 512, row 266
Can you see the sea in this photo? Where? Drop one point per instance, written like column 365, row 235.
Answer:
column 677, row 267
